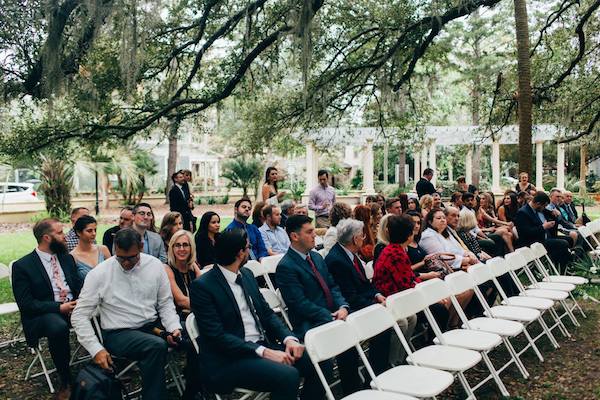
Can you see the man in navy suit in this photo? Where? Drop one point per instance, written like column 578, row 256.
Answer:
column 311, row 294
column 179, row 197
column 243, row 344
column 536, row 224
column 46, row 286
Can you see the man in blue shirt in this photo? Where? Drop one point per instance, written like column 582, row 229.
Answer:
column 274, row 236
column 243, row 208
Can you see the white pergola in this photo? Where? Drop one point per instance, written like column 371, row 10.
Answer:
column 424, row 149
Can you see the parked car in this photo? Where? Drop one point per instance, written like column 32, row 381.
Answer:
column 11, row 192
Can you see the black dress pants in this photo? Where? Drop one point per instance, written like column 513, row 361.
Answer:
column 55, row 327
column 558, row 250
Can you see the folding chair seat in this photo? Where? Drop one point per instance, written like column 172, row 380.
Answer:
column 332, row 339
column 537, row 254
column 406, row 379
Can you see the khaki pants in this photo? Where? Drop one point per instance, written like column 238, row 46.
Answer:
column 322, row 222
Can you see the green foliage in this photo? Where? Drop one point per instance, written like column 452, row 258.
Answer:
column 224, row 199
column 65, row 217
column 243, row 173
column 57, row 181
column 357, row 181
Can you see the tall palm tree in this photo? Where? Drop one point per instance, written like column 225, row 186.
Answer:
column 524, row 95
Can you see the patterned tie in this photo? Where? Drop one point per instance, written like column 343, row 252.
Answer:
column 324, row 287
column 358, row 269
column 57, row 279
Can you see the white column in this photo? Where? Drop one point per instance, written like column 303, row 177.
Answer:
column 450, row 172
column 423, row 160
column 216, row 174
column 539, row 165
column 310, row 165
column 417, row 165
column 496, row 167
column 433, row 162
column 386, row 151
column 368, row 187
column 206, row 175
column 469, row 165
column 560, row 166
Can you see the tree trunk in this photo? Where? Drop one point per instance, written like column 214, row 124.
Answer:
column 475, row 107
column 583, row 150
column 386, row 150
column 524, row 95
column 172, row 157
column 104, row 189
column 476, row 170
column 401, row 167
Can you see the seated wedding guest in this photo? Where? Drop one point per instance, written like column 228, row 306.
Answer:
column 87, row 254
column 257, row 217
column 312, row 296
column 287, row 209
column 132, row 296
column 181, row 270
column 125, row 221
column 523, row 198
column 403, row 197
column 464, row 229
column 208, row 231
column 301, row 209
column 487, row 221
column 565, row 227
column 46, row 285
column 339, row 211
column 170, row 224
column 490, row 242
column 509, row 207
column 381, row 201
column 436, row 201
column 376, row 216
column 274, row 236
column 143, row 218
column 242, row 209
column 413, row 204
column 569, row 207
column 243, row 344
column 71, row 237
column 437, row 239
column 383, row 237
column 370, row 200
column 456, row 200
column 363, row 214
column 393, row 206
column 348, row 271
column 426, row 203
column 270, row 193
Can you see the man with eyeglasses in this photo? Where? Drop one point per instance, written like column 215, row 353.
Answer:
column 153, row 243
column 132, row 294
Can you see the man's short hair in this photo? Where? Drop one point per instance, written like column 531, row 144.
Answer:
column 347, row 229
column 43, row 227
column 174, row 175
column 400, row 228
column 427, row 171
column 126, row 238
column 449, row 209
column 240, row 201
column 323, row 172
column 228, row 244
column 268, row 210
column 467, row 196
column 455, row 197
column 554, row 190
column 390, row 202
column 541, row 198
column 286, row 205
column 77, row 209
column 127, row 208
column 137, row 207
column 295, row 223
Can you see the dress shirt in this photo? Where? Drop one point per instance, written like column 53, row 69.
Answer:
column 275, row 239
column 124, row 299
column 542, row 218
column 329, row 240
column 318, row 197
column 433, row 242
column 45, row 258
column 257, row 249
column 72, row 240
column 182, row 191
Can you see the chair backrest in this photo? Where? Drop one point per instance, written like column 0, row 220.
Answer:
column 369, row 271
column 10, row 269
column 433, row 290
column 257, row 268
column 192, row 329
column 538, row 249
column 319, row 240
column 327, row 341
column 270, row 263
column 405, row 303
column 594, row 226
column 528, row 254
column 585, row 231
column 480, row 273
column 458, row 282
column 271, row 297
column 498, row 266
column 370, row 321
column 515, row 261
column 4, row 271
column 323, row 252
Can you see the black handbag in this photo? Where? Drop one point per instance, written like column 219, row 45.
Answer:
column 95, row 383
column 584, row 218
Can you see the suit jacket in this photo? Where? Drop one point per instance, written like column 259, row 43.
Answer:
column 220, row 323
column 156, row 246
column 424, row 187
column 33, row 290
column 355, row 288
column 571, row 211
column 109, row 238
column 178, row 201
column 307, row 305
column 529, row 225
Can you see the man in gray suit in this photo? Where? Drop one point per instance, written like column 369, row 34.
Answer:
column 153, row 244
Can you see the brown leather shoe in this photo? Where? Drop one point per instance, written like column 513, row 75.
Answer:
column 64, row 393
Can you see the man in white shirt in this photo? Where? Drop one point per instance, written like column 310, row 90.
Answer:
column 132, row 294
column 275, row 238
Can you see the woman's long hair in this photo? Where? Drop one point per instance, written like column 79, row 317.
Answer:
column 170, row 252
column 363, row 213
column 267, row 173
column 204, row 221
column 167, row 224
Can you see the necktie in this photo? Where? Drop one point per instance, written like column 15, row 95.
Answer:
column 57, row 279
column 459, row 240
column 358, row 269
column 322, row 283
column 240, row 282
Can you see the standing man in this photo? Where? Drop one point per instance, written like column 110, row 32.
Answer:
column 46, row 286
column 243, row 209
column 274, row 236
column 71, row 237
column 242, row 342
column 132, row 295
column 187, row 187
column 125, row 221
column 424, row 186
column 179, row 199
column 152, row 242
column 312, row 296
column 321, row 199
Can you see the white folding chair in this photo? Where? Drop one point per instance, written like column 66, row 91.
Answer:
column 405, row 379
column 38, row 358
column 480, row 274
column 447, row 358
column 10, row 308
column 434, row 291
column 332, row 339
column 536, row 253
column 369, row 271
column 192, row 329
column 270, row 262
column 322, row 252
column 276, row 304
column 258, row 270
column 594, row 226
column 590, row 239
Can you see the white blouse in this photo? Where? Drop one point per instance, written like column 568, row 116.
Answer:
column 433, row 242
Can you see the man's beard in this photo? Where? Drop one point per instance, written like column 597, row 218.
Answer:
column 242, row 217
column 58, row 247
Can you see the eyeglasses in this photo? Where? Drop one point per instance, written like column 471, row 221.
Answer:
column 181, row 245
column 130, row 259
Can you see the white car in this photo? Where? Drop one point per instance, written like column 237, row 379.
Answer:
column 11, row 192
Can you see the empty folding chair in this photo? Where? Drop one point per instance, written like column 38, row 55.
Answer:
column 276, row 304
column 481, row 273
column 537, row 253
column 590, row 239
column 332, row 339
column 434, row 291
column 258, row 270
column 406, row 379
column 9, row 308
column 448, row 358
